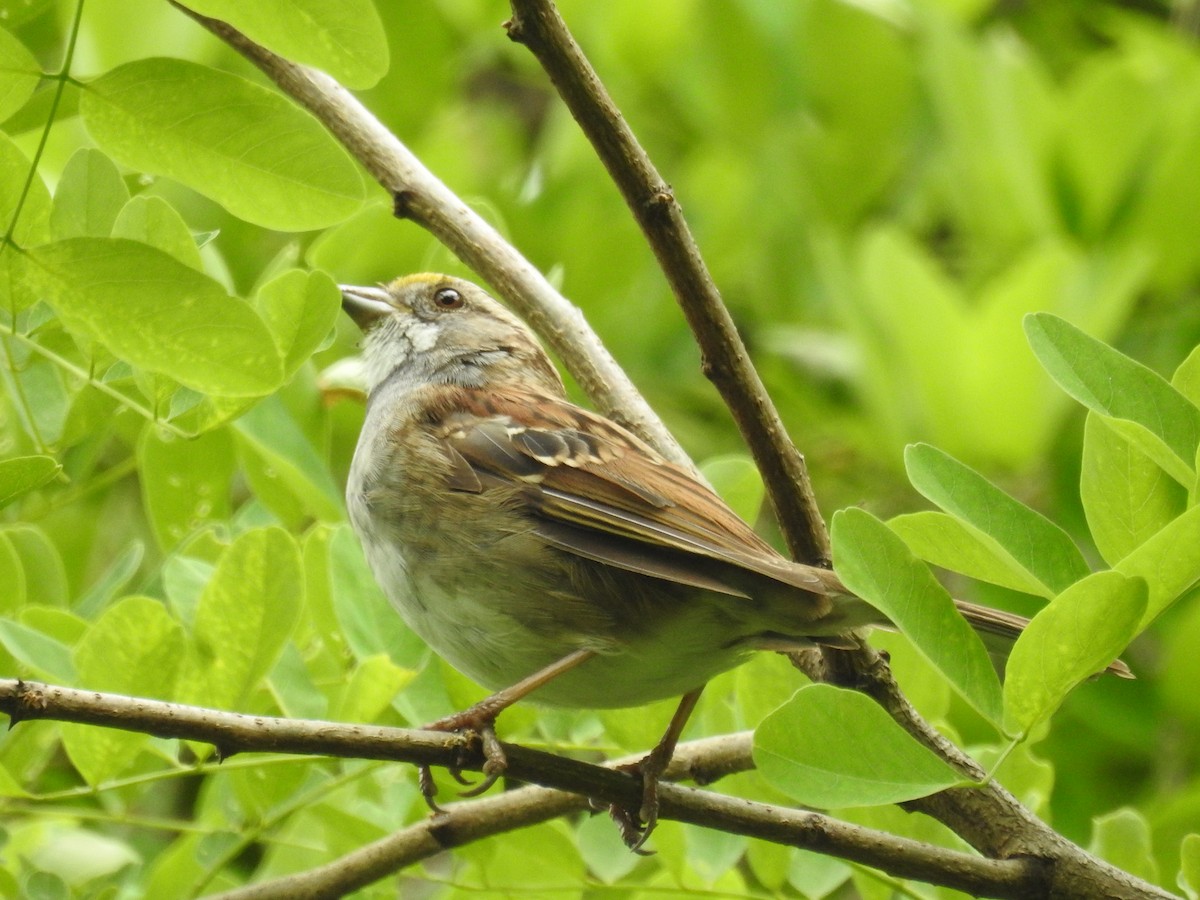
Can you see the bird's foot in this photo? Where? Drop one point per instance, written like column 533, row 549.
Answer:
column 479, row 724
column 636, row 826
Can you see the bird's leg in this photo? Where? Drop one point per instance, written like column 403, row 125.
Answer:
column 481, row 719
column 636, row 825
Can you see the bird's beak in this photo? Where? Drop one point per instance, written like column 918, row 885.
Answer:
column 365, row 305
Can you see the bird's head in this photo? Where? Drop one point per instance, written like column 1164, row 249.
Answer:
column 442, row 329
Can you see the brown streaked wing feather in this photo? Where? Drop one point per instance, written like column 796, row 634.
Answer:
column 634, row 556
column 603, row 493
column 463, row 476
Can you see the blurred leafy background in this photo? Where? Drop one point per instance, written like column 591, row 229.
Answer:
column 881, row 189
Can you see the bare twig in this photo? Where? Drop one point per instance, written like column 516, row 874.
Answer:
column 420, row 196
column 466, row 822
column 537, row 25
column 567, row 786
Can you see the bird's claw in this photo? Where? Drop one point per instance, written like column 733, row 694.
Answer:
column 637, row 826
column 475, row 726
column 633, row 832
column 428, row 789
column 482, row 787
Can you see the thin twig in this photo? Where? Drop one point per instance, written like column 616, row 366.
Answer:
column 537, row 25
column 464, row 823
column 420, row 196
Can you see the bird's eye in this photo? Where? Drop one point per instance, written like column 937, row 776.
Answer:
column 448, row 298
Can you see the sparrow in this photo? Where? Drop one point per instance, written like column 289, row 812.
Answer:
column 542, row 548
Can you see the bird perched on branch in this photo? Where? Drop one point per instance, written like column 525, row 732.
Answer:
column 542, row 548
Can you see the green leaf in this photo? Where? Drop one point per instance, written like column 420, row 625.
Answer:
column 1074, row 637
column 21, row 474
column 1186, row 378
column 209, row 413
column 376, row 680
column 913, row 315
column 116, row 575
column 39, row 653
column 318, row 588
column 1127, row 497
column 300, row 309
column 345, row 39
column 712, row 853
column 44, row 576
column 1039, row 546
column 55, row 622
column 134, row 648
column 88, row 198
column 185, row 483
column 1122, row 837
column 484, row 864
column 1189, row 863
column 47, row 400
column 875, row 564
column 75, row 855
column 602, row 849
column 1109, row 382
column 367, row 243
column 152, row 220
column 942, row 540
column 157, row 314
column 13, row 595
column 245, row 616
column 739, row 483
column 10, row 787
column 369, row 623
column 1151, row 445
column 1110, row 115
column 629, row 729
column 32, row 228
column 291, row 685
column 1169, row 562
column 862, row 757
column 255, row 153
column 816, row 875
column 1022, row 773
column 283, row 467
column 915, row 322
column 184, row 580
column 16, row 13
column 992, row 116
column 19, row 74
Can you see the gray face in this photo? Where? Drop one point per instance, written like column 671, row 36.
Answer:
column 434, row 328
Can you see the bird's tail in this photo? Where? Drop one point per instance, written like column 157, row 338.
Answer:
column 1000, row 629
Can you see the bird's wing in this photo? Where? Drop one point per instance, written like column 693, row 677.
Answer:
column 596, row 490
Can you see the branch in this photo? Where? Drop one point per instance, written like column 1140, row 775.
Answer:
column 420, row 196
column 466, row 822
column 537, row 25
column 567, row 785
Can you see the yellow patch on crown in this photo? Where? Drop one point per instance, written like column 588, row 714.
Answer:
column 418, row 278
